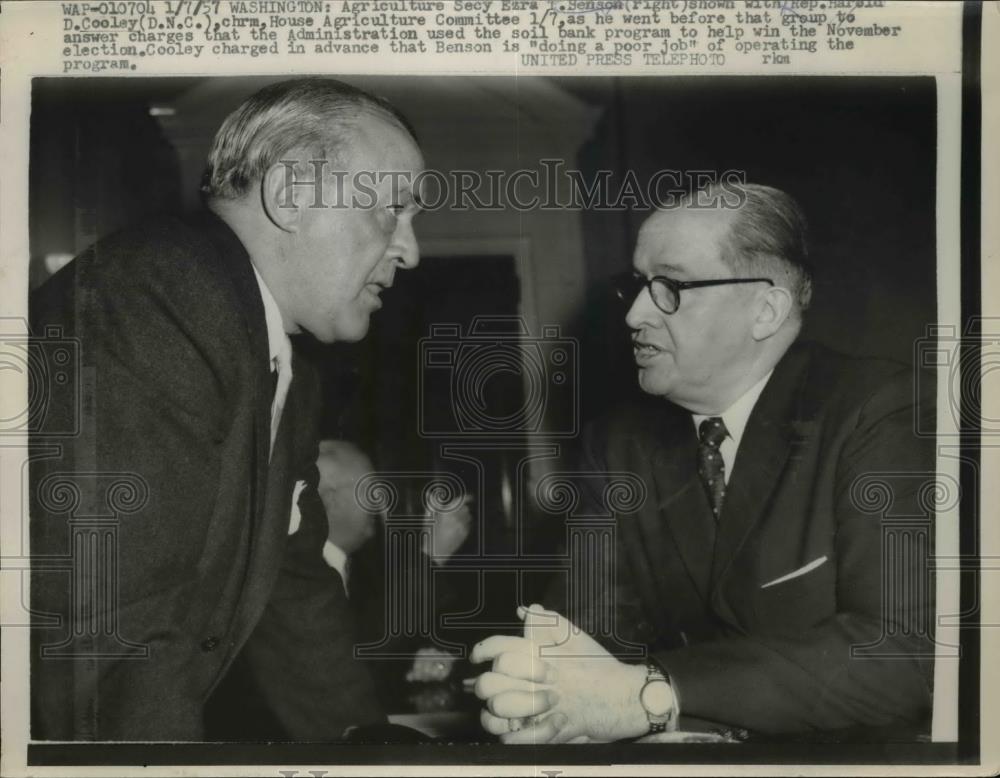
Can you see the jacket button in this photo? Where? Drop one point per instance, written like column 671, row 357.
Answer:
column 209, row 644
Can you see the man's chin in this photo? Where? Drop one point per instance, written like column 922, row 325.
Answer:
column 349, row 331
column 652, row 381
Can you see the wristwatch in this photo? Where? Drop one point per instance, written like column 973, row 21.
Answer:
column 658, row 700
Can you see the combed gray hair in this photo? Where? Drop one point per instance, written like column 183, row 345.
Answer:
column 768, row 237
column 312, row 113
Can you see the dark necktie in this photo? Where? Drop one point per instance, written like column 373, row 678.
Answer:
column 711, row 468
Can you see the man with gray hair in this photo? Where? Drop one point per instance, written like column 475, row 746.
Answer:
column 185, row 328
column 768, row 594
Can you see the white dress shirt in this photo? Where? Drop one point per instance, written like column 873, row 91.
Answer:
column 336, row 558
column 279, row 350
column 735, row 418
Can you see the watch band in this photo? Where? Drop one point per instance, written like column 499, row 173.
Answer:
column 657, row 723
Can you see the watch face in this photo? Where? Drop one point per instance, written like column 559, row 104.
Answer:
column 657, row 698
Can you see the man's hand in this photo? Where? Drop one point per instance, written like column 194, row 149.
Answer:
column 449, row 529
column 567, row 686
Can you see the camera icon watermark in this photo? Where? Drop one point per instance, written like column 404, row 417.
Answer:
column 51, row 363
column 969, row 360
column 497, row 381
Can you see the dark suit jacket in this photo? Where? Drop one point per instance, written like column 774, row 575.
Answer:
column 176, row 406
column 828, row 466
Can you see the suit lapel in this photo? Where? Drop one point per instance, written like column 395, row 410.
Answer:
column 267, row 486
column 235, row 264
column 269, row 535
column 760, row 460
column 681, row 509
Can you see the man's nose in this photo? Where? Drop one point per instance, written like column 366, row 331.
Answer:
column 406, row 251
column 643, row 311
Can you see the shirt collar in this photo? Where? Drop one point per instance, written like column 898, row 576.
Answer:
column 738, row 414
column 276, row 335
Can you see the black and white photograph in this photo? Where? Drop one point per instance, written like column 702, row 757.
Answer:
column 500, row 421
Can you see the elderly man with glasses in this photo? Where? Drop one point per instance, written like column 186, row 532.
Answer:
column 757, row 581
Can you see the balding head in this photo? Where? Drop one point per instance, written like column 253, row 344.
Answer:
column 341, row 465
column 318, row 181
column 319, row 115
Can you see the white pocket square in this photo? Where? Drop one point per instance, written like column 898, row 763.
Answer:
column 296, row 518
column 796, row 573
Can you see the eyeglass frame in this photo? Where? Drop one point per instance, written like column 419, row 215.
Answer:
column 675, row 286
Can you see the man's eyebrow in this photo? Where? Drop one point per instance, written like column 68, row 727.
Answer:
column 665, row 267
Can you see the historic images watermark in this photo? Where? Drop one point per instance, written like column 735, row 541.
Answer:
column 90, row 503
column 455, row 368
column 549, row 187
column 460, row 364
column 953, row 367
column 50, row 361
column 457, row 364
column 967, row 358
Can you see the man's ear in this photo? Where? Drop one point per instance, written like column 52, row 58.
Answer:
column 774, row 308
column 277, row 191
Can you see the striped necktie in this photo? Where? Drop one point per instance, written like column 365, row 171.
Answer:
column 711, row 467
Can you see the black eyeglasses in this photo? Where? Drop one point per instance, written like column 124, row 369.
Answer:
column 666, row 292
